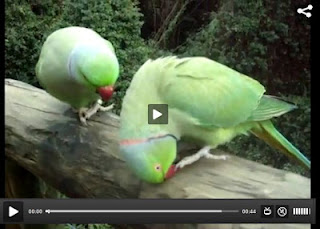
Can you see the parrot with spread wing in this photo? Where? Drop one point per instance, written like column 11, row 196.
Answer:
column 208, row 103
column 79, row 67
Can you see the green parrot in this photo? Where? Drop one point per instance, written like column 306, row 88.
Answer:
column 79, row 67
column 208, row 103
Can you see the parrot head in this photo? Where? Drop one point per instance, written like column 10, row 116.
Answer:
column 97, row 67
column 151, row 159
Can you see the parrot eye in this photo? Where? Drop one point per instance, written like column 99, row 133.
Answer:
column 157, row 167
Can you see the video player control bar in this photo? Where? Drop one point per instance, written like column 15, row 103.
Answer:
column 135, row 211
column 138, row 211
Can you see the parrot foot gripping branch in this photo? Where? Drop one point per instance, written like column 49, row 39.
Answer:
column 86, row 113
column 204, row 152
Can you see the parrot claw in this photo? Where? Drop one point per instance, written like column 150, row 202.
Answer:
column 204, row 152
column 86, row 113
column 82, row 116
column 97, row 107
column 83, row 121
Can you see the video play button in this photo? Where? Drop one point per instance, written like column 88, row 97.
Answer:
column 158, row 114
column 13, row 211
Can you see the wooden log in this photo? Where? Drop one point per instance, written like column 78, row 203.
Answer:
column 45, row 137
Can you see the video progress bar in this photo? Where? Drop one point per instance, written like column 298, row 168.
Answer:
column 154, row 211
column 49, row 211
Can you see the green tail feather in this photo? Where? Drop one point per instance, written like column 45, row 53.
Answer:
column 267, row 132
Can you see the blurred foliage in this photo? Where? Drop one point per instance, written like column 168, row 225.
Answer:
column 265, row 39
column 268, row 42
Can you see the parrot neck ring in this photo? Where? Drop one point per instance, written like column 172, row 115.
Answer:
column 142, row 140
column 72, row 69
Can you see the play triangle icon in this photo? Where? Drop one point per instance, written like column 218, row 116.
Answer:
column 12, row 211
column 156, row 114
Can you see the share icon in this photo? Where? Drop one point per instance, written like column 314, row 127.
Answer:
column 302, row 11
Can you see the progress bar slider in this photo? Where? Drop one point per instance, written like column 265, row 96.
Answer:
column 50, row 211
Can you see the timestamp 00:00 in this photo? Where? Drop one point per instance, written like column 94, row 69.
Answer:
column 34, row 211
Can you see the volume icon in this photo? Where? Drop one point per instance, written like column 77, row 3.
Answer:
column 301, row 211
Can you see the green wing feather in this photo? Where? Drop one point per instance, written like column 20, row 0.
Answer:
column 269, row 107
column 211, row 93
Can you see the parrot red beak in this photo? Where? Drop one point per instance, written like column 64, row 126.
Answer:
column 105, row 92
column 171, row 172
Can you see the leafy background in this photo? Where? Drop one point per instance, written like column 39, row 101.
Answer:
column 265, row 39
